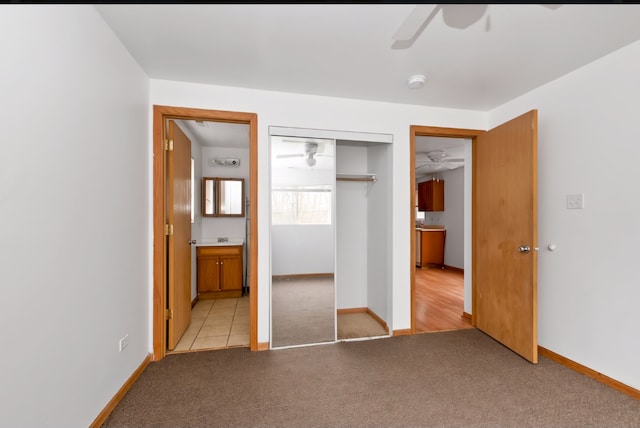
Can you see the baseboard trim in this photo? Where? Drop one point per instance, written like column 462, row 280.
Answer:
column 382, row 322
column 303, row 276
column 466, row 315
column 104, row 414
column 632, row 392
column 365, row 310
column 457, row 269
column 194, row 301
column 263, row 346
column 402, row 332
column 347, row 311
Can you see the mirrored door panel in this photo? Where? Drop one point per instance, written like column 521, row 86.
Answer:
column 303, row 183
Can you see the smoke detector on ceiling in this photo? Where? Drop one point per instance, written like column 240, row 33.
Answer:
column 417, row 81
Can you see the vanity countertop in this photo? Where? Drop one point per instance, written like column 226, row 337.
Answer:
column 215, row 243
column 430, row 228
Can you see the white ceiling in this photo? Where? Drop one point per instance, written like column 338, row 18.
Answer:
column 347, row 50
column 217, row 134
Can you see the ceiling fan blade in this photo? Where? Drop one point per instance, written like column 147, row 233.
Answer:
column 297, row 155
column 414, row 22
column 436, row 165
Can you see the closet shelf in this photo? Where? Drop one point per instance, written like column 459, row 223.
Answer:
column 355, row 177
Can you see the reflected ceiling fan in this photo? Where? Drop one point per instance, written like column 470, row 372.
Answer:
column 437, row 160
column 458, row 16
column 311, row 150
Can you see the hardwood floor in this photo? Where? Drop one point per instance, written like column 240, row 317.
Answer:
column 439, row 298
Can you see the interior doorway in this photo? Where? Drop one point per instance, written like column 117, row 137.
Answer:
column 425, row 295
column 443, row 201
column 504, row 234
column 161, row 310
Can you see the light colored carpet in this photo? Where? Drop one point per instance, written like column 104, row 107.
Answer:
column 351, row 326
column 303, row 311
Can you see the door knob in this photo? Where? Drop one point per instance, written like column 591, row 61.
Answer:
column 192, row 242
column 524, row 249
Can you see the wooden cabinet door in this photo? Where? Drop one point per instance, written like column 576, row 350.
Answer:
column 433, row 248
column 208, row 274
column 422, row 196
column 431, row 195
column 230, row 273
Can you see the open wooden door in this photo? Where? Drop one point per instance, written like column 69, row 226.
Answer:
column 505, row 234
column 179, row 234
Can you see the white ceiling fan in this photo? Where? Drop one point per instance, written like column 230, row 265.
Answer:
column 437, row 160
column 311, row 150
column 458, row 16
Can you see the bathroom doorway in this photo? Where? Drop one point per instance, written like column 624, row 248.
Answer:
column 161, row 309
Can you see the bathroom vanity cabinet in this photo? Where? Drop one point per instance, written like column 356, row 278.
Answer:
column 219, row 270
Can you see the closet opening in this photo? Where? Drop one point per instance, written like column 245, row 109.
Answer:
column 331, row 260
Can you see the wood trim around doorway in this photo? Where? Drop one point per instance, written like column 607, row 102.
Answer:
column 160, row 115
column 429, row 131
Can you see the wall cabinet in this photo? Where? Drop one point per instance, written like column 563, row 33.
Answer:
column 431, row 248
column 431, row 195
column 219, row 271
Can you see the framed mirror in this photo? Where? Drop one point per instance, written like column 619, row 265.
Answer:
column 222, row 197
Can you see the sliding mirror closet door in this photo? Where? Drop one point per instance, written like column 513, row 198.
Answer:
column 303, row 183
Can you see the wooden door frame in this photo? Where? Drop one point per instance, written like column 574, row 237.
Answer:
column 160, row 115
column 432, row 131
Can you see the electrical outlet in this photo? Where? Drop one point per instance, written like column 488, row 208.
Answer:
column 123, row 342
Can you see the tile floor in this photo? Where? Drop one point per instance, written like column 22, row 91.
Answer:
column 217, row 324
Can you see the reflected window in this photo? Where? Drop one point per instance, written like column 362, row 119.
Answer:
column 301, row 204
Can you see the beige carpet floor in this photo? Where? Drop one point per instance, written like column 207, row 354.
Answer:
column 302, row 311
column 451, row 379
column 359, row 325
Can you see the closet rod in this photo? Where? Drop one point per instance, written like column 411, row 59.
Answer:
column 356, row 177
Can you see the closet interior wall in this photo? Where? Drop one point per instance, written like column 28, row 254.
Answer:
column 363, row 224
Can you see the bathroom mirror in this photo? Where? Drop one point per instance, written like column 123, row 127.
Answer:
column 222, row 197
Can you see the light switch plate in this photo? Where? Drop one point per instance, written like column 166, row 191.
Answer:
column 575, row 201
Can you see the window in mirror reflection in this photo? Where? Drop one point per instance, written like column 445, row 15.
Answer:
column 230, row 197
column 301, row 204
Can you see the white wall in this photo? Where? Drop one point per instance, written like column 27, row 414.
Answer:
column 380, row 241
column 300, row 249
column 229, row 227
column 588, row 289
column 75, row 246
column 351, row 229
column 453, row 217
column 316, row 112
